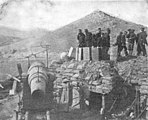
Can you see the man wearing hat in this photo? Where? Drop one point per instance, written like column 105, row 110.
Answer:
column 107, row 45
column 88, row 41
column 99, row 44
column 131, row 40
column 81, row 38
column 142, row 41
column 119, row 43
column 99, row 33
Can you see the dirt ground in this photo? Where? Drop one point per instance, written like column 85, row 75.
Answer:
column 9, row 104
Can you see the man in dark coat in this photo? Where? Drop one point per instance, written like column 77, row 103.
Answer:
column 123, row 43
column 88, row 41
column 138, row 46
column 103, row 45
column 119, row 43
column 100, row 47
column 88, row 38
column 94, row 40
column 106, row 44
column 107, row 36
column 81, row 38
column 131, row 40
column 99, row 33
column 142, row 41
column 99, row 43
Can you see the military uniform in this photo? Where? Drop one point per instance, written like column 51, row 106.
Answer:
column 118, row 43
column 88, row 39
column 141, row 42
column 99, row 44
column 131, row 40
column 138, row 46
column 81, row 39
column 94, row 40
column 104, row 47
column 123, row 44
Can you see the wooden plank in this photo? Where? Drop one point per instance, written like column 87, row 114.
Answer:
column 80, row 54
column 72, row 52
column 86, row 53
column 95, row 54
column 19, row 67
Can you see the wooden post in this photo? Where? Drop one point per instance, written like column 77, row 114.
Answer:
column 27, row 115
column 103, row 107
column 137, row 101
column 82, row 53
column 67, row 96
column 19, row 67
column 28, row 62
column 13, row 90
column 77, row 53
column 81, row 94
column 90, row 53
column 47, row 55
column 16, row 115
column 99, row 54
column 46, row 49
column 19, row 116
column 48, row 114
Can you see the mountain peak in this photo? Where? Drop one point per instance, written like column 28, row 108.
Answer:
column 65, row 37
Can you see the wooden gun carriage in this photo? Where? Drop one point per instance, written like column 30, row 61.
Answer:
column 37, row 94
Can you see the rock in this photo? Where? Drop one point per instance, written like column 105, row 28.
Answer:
column 75, row 76
column 72, row 65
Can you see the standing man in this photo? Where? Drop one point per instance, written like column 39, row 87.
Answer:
column 88, row 38
column 138, row 45
column 107, row 35
column 123, row 43
column 88, row 41
column 94, row 40
column 119, row 43
column 99, row 43
column 103, row 45
column 131, row 40
column 81, row 41
column 81, row 38
column 142, row 41
column 99, row 33
column 107, row 46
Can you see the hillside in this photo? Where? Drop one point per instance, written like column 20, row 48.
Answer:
column 9, row 36
column 12, row 40
column 65, row 37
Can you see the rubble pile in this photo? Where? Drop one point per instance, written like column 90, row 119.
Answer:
column 96, row 75
column 141, row 72
column 136, row 72
column 124, row 69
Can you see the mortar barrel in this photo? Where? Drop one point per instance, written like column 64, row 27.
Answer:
column 37, row 79
column 36, row 64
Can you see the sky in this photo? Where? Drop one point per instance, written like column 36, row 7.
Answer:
column 53, row 14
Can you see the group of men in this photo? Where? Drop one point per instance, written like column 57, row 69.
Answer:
column 100, row 40
column 125, row 40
